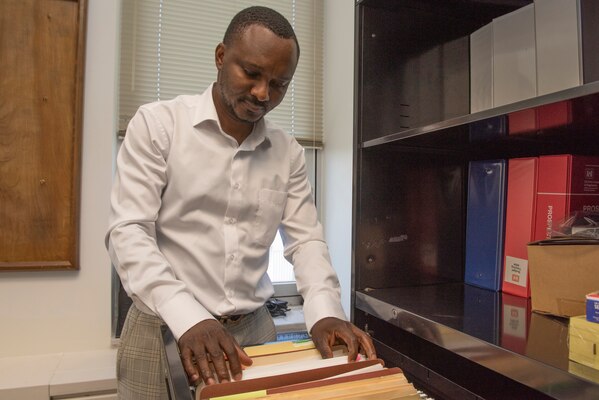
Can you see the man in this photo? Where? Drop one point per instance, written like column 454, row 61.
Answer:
column 202, row 185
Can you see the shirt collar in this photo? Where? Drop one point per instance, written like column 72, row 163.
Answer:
column 206, row 111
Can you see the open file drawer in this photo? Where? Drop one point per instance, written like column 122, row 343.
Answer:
column 352, row 379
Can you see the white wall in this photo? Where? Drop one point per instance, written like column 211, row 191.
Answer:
column 336, row 200
column 54, row 312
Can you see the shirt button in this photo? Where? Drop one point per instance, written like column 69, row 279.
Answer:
column 236, row 186
column 232, row 221
column 231, row 257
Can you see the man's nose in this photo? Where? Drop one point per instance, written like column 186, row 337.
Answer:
column 260, row 90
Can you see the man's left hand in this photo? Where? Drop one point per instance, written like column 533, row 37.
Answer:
column 330, row 331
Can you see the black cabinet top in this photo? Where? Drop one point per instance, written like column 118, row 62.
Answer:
column 493, row 329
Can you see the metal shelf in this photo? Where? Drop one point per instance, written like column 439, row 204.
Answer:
column 581, row 97
column 467, row 321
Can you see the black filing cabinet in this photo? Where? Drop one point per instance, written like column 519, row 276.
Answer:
column 414, row 136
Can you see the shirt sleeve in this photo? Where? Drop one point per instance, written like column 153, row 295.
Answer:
column 305, row 247
column 135, row 201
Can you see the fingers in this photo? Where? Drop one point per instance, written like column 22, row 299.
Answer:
column 243, row 357
column 197, row 364
column 353, row 347
column 219, row 363
column 237, row 360
column 361, row 342
column 327, row 331
column 205, row 368
column 190, row 366
column 209, row 352
column 323, row 346
column 346, row 333
column 365, row 343
column 323, row 335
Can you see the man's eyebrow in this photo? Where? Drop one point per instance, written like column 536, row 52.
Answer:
column 251, row 65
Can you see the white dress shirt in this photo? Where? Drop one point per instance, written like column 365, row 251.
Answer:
column 193, row 215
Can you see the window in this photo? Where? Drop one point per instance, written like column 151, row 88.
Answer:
column 167, row 49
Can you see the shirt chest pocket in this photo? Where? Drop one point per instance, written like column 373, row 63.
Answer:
column 271, row 204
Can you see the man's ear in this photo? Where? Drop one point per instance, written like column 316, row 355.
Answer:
column 219, row 54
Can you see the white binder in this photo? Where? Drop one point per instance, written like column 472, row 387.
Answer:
column 514, row 59
column 559, row 59
column 481, row 69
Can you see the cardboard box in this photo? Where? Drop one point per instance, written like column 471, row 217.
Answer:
column 584, row 340
column 562, row 272
column 592, row 303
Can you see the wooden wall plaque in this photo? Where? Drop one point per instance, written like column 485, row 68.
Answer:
column 42, row 46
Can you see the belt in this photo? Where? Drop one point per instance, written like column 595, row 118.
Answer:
column 223, row 319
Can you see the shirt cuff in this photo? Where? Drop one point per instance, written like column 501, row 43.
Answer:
column 181, row 313
column 322, row 306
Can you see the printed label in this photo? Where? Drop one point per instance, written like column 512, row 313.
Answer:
column 516, row 271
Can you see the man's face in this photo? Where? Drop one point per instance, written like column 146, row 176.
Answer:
column 254, row 73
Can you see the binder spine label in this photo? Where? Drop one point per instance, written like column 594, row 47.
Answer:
column 516, row 271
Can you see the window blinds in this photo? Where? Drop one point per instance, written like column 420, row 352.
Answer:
column 167, row 49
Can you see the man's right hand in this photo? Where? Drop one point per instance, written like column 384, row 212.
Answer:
column 206, row 343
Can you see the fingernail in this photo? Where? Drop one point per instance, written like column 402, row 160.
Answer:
column 237, row 377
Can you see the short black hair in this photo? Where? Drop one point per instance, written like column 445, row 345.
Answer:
column 258, row 15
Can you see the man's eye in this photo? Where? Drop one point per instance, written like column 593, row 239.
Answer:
column 251, row 74
column 280, row 84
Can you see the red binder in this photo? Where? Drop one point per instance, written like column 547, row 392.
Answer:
column 525, row 121
column 519, row 224
column 566, row 183
column 555, row 114
column 544, row 117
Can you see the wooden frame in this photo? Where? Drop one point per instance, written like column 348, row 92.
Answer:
column 42, row 49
